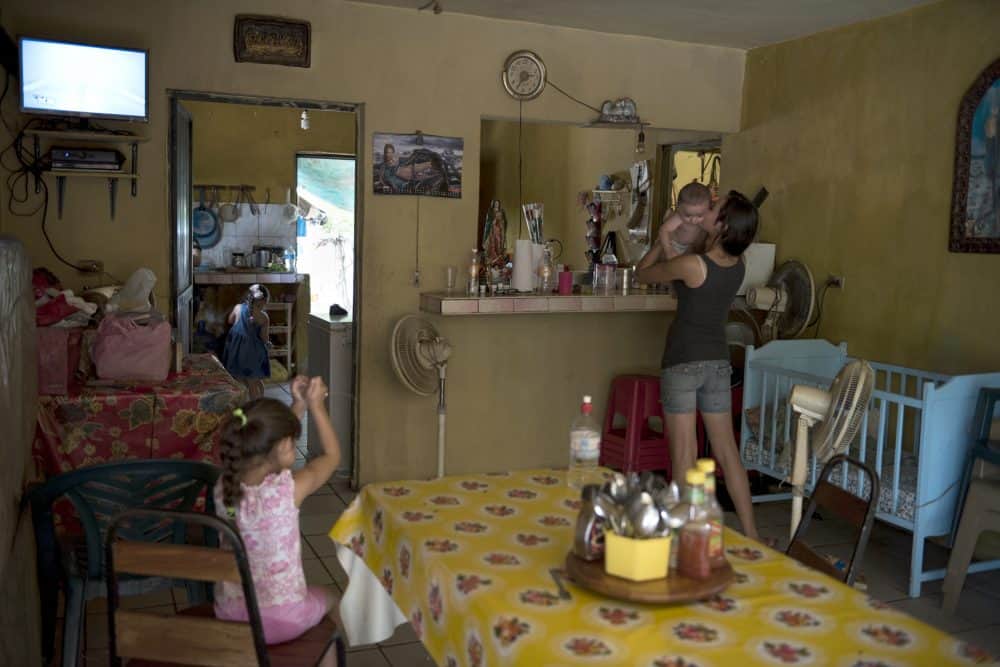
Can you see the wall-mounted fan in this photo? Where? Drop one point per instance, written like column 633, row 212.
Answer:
column 789, row 299
column 420, row 358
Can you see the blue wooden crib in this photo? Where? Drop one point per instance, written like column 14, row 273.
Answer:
column 916, row 434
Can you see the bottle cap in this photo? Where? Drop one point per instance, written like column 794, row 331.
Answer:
column 707, row 466
column 694, row 477
column 587, row 398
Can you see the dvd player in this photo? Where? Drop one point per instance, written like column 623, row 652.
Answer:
column 86, row 158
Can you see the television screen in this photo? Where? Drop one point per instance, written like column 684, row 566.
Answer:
column 69, row 79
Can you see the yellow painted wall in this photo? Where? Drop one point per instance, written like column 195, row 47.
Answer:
column 560, row 161
column 252, row 145
column 853, row 134
column 515, row 382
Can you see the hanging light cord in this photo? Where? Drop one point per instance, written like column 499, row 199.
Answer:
column 416, row 270
column 578, row 101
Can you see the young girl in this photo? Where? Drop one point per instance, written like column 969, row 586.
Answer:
column 261, row 494
column 245, row 356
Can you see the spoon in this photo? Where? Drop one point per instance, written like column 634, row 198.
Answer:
column 648, row 522
column 618, row 487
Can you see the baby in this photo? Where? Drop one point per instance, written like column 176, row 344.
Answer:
column 682, row 230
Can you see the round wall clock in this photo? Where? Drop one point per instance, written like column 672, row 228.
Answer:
column 523, row 75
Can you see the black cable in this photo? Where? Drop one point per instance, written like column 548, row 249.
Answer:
column 520, row 169
column 3, row 95
column 819, row 310
column 578, row 101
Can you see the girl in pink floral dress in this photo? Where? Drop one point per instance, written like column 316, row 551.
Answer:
column 261, row 493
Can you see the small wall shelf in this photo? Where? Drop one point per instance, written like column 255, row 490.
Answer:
column 90, row 137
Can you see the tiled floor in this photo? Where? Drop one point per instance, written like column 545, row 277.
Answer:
column 885, row 571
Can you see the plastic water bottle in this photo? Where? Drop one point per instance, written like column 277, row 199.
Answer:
column 584, row 446
column 472, row 280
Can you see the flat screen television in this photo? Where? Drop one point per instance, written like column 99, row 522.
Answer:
column 83, row 80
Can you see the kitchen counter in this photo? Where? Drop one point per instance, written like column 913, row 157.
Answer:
column 245, row 277
column 454, row 303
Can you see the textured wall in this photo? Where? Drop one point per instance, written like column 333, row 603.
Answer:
column 514, row 382
column 853, row 133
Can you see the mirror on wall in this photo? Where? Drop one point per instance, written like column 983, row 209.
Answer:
column 561, row 166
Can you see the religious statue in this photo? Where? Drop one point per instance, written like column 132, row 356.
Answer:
column 495, row 236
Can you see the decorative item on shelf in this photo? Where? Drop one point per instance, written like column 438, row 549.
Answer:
column 271, row 40
column 304, row 120
column 975, row 199
column 495, row 236
column 417, row 164
column 620, row 112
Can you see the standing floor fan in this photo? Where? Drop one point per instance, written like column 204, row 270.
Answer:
column 839, row 412
column 420, row 357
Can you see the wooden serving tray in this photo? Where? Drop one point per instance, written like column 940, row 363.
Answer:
column 669, row 590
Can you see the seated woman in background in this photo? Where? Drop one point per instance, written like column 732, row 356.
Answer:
column 696, row 369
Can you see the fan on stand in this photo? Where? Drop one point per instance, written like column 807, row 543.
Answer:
column 839, row 412
column 420, row 357
column 789, row 299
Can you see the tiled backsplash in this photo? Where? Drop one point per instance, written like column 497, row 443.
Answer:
column 269, row 228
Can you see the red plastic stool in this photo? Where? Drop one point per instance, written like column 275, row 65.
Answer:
column 636, row 447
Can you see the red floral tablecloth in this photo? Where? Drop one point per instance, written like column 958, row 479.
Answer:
column 174, row 419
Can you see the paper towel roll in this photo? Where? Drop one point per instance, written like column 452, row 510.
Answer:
column 525, row 262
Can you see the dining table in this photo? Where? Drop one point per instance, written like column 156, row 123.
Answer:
column 475, row 564
column 104, row 422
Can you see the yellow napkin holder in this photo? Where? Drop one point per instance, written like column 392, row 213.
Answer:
column 636, row 560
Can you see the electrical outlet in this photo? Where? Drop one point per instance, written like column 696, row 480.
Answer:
column 90, row 266
column 835, row 281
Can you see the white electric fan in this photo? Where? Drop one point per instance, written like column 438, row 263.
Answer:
column 839, row 412
column 420, row 357
column 789, row 299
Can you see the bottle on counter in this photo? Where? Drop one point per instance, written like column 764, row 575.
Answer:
column 472, row 282
column 584, row 446
column 692, row 557
column 546, row 273
column 716, row 548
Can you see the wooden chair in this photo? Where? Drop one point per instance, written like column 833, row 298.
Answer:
column 835, row 501
column 98, row 494
column 194, row 636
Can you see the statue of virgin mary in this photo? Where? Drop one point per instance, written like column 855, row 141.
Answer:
column 495, row 236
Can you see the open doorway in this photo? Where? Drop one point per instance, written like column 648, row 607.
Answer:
column 680, row 164
column 251, row 181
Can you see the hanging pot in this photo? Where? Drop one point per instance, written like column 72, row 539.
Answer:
column 205, row 225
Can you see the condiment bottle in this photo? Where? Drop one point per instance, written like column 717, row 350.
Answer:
column 692, row 558
column 716, row 550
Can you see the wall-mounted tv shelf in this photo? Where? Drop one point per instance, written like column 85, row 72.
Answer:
column 90, row 137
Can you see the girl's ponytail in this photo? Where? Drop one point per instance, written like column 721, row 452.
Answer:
column 249, row 435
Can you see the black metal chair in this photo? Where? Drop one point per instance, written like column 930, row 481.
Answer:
column 98, row 494
column 836, row 501
column 194, row 636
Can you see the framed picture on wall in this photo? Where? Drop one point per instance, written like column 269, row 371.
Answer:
column 271, row 40
column 975, row 199
column 417, row 164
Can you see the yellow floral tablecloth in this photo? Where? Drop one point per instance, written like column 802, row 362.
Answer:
column 467, row 561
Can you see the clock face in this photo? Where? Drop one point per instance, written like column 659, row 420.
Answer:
column 524, row 75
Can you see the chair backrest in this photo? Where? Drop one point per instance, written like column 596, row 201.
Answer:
column 101, row 492
column 188, row 640
column 852, row 509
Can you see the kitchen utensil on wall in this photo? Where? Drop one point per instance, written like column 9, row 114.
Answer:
column 231, row 212
column 291, row 211
column 204, row 224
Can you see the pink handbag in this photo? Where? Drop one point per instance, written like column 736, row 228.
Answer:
column 127, row 349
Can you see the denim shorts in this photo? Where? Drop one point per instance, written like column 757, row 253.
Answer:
column 701, row 385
